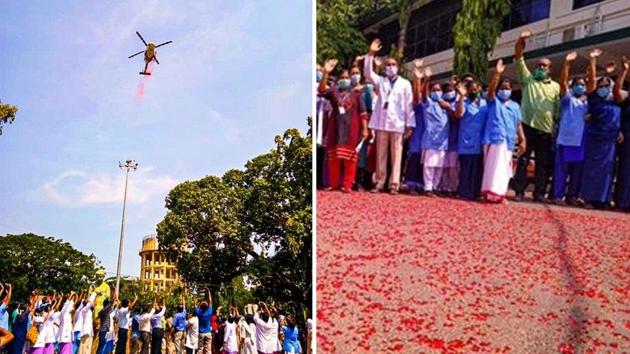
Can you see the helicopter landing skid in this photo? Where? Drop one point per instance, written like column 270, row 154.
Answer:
column 144, row 73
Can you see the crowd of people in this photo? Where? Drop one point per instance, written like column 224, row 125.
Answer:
column 71, row 324
column 378, row 131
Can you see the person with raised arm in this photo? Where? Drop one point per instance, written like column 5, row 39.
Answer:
column 179, row 325
column 571, row 137
column 539, row 107
column 436, row 133
column 157, row 331
column 393, row 118
column 4, row 305
column 145, row 328
column 413, row 170
column 603, row 134
column 622, row 192
column 122, row 316
column 503, row 125
column 65, row 335
column 471, row 112
column 87, row 329
column 204, row 314
column 347, row 126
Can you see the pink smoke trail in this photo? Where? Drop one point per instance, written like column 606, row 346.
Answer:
column 144, row 80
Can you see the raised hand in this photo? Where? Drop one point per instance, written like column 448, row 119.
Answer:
column 428, row 72
column 525, row 34
column 625, row 62
column 375, row 46
column 417, row 74
column 571, row 56
column 500, row 67
column 595, row 53
column 418, row 63
column 378, row 62
column 329, row 66
column 610, row 67
column 461, row 88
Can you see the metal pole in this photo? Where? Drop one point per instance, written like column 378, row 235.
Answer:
column 129, row 164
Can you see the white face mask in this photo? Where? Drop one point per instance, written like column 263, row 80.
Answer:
column 391, row 71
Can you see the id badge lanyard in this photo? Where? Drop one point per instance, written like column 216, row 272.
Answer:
column 392, row 83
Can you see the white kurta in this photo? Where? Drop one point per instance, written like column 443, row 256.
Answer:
column 65, row 323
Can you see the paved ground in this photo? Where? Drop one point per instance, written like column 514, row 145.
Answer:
column 415, row 274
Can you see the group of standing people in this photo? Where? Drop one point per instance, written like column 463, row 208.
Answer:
column 49, row 324
column 466, row 140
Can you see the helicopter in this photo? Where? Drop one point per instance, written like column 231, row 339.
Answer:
column 149, row 53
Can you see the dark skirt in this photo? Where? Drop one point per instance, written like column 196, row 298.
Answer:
column 470, row 175
column 413, row 172
column 622, row 193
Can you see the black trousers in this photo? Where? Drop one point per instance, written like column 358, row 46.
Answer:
column 121, row 344
column 156, row 340
column 320, row 154
column 541, row 144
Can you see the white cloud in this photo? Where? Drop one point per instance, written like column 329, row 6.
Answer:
column 77, row 188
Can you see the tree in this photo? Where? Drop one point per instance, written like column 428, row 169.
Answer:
column 7, row 114
column 31, row 262
column 255, row 222
column 477, row 27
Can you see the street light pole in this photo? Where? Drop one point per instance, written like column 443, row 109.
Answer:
column 128, row 165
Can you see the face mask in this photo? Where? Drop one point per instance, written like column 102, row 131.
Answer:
column 343, row 84
column 319, row 76
column 579, row 90
column 504, row 95
column 449, row 96
column 391, row 71
column 436, row 95
column 540, row 74
column 474, row 95
column 484, row 94
column 603, row 92
column 355, row 79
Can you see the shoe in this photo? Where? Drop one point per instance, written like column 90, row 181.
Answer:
column 393, row 191
column 542, row 199
column 430, row 194
column 376, row 190
column 519, row 197
column 413, row 192
column 559, row 201
column 345, row 190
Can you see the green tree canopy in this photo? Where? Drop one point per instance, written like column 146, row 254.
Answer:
column 476, row 30
column 7, row 114
column 255, row 222
column 32, row 262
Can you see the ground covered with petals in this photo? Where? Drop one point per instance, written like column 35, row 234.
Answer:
column 416, row 274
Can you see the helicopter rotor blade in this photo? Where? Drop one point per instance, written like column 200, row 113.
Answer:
column 142, row 39
column 154, row 57
column 165, row 43
column 140, row 52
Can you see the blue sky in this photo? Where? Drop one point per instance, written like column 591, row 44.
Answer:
column 237, row 74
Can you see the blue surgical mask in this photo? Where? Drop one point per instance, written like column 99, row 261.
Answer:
column 504, row 95
column 391, row 71
column 436, row 95
column 355, row 79
column 343, row 84
column 318, row 76
column 449, row 96
column 578, row 90
column 603, row 92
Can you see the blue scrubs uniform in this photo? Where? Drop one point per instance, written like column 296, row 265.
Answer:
column 599, row 155
column 471, row 128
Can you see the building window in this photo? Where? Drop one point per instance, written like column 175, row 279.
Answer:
column 582, row 3
column 526, row 11
column 430, row 29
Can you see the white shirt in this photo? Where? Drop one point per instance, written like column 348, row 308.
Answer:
column 111, row 334
column 87, row 329
column 192, row 332
column 51, row 327
column 78, row 319
column 266, row 334
column 145, row 321
column 399, row 97
column 41, row 337
column 65, row 323
column 230, row 343
column 248, row 334
column 122, row 315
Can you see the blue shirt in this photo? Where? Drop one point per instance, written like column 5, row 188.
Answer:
column 415, row 142
column 135, row 325
column 4, row 316
column 291, row 339
column 501, row 123
column 453, row 129
column 436, row 131
column 179, row 321
column 572, row 112
column 205, row 319
column 471, row 127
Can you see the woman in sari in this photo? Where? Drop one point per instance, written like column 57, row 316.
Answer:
column 622, row 195
column 347, row 126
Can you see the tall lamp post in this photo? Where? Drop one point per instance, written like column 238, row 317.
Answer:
column 128, row 165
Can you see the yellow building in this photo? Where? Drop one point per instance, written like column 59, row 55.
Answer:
column 156, row 272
